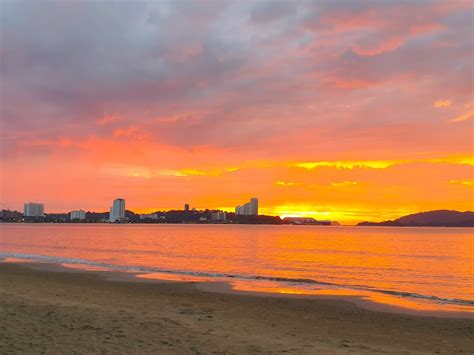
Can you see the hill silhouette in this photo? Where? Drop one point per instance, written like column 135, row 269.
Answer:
column 439, row 218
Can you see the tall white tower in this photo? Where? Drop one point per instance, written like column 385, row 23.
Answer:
column 117, row 211
column 254, row 206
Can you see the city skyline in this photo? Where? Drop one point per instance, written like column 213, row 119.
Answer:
column 333, row 110
column 118, row 213
column 117, row 210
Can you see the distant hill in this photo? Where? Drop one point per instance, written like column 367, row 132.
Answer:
column 439, row 218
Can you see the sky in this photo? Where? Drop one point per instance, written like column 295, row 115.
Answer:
column 344, row 110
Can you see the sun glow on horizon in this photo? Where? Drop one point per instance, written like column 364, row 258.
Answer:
column 348, row 216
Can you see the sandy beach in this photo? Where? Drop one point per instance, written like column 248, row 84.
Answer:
column 72, row 311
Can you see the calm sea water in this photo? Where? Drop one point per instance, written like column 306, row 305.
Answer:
column 424, row 268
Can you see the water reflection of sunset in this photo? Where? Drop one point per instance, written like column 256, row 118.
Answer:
column 377, row 298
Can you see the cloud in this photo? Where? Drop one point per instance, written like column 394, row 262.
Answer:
column 285, row 183
column 258, row 65
column 273, row 10
column 107, row 119
column 131, row 132
column 463, row 117
column 442, row 103
column 463, row 182
column 343, row 183
column 381, row 164
column 375, row 164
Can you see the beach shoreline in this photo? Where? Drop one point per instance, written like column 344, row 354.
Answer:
column 225, row 286
column 49, row 308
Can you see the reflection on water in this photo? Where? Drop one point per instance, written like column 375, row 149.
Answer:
column 403, row 302
column 177, row 277
column 426, row 268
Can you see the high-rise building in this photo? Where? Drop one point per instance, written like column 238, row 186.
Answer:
column 32, row 209
column 186, row 207
column 78, row 214
column 117, row 211
column 254, row 206
column 249, row 208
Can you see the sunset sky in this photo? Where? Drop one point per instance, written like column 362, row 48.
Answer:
column 344, row 110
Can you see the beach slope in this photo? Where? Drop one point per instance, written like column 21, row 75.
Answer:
column 83, row 312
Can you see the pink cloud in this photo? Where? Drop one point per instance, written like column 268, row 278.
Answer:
column 106, row 119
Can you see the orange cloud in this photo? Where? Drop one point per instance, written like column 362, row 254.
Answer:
column 463, row 117
column 131, row 132
column 284, row 183
column 381, row 164
column 442, row 103
column 461, row 159
column 343, row 183
column 373, row 164
column 463, row 182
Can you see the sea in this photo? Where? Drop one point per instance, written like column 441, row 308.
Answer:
column 429, row 269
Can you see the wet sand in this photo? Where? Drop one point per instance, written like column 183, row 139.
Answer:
column 44, row 311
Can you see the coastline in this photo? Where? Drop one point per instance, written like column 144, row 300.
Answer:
column 211, row 223
column 47, row 307
column 372, row 299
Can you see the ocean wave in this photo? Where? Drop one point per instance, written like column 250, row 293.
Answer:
column 293, row 281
